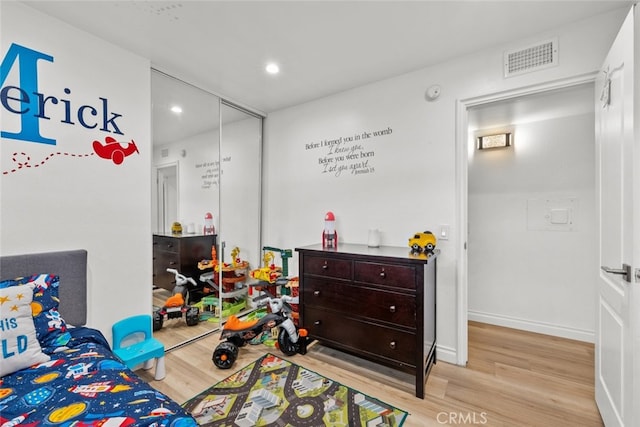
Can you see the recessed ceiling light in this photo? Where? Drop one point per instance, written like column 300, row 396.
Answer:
column 272, row 68
column 176, row 109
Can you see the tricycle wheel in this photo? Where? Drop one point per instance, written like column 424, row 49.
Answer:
column 287, row 347
column 225, row 355
column 193, row 316
column 157, row 321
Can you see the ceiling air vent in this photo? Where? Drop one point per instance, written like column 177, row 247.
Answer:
column 164, row 153
column 531, row 58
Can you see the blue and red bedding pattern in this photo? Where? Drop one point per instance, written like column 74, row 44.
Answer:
column 85, row 385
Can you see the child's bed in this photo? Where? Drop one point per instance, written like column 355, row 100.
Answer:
column 53, row 374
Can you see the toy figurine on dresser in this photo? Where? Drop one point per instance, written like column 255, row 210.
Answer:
column 423, row 242
column 329, row 234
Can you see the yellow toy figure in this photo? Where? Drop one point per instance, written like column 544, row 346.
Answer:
column 423, row 242
column 235, row 259
column 176, row 228
column 268, row 273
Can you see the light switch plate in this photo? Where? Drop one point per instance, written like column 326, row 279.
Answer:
column 444, row 232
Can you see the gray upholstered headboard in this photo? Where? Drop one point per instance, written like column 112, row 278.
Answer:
column 71, row 266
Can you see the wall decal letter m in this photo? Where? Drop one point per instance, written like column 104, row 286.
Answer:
column 11, row 96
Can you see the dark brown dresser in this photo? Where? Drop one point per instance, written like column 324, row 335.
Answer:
column 376, row 303
column 182, row 252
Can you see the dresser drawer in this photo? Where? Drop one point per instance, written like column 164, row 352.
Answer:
column 385, row 274
column 161, row 261
column 166, row 244
column 378, row 340
column 164, row 260
column 390, row 307
column 328, row 267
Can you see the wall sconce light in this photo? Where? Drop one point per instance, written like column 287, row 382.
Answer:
column 499, row 140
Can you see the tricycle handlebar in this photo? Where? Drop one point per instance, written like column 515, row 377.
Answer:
column 181, row 279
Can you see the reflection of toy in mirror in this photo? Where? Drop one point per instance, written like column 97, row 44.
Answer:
column 209, row 263
column 329, row 234
column 235, row 257
column 176, row 305
column 209, row 228
column 176, row 228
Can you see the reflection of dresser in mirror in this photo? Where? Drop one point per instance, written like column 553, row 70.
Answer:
column 182, row 252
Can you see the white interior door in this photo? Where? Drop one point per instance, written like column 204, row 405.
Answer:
column 167, row 179
column 619, row 224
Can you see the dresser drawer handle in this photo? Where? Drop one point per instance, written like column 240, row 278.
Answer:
column 325, row 265
column 316, row 293
column 169, row 246
column 318, row 322
column 383, row 274
column 392, row 308
column 392, row 345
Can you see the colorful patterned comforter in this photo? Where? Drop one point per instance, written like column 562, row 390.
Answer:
column 84, row 385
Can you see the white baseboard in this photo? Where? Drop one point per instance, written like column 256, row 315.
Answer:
column 446, row 354
column 533, row 326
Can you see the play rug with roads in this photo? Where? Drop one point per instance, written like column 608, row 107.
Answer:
column 273, row 390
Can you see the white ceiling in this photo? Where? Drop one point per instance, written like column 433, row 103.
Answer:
column 323, row 47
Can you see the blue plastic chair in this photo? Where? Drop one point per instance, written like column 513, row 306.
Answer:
column 134, row 344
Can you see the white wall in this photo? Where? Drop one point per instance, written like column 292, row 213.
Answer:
column 198, row 177
column 525, row 271
column 413, row 184
column 76, row 199
column 241, row 170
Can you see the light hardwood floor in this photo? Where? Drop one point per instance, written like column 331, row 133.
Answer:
column 174, row 331
column 513, row 378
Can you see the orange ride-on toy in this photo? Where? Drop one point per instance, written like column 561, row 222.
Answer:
column 176, row 307
column 236, row 333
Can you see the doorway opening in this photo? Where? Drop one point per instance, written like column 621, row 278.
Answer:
column 512, row 279
column 167, row 180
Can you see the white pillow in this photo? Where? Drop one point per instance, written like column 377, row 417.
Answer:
column 19, row 347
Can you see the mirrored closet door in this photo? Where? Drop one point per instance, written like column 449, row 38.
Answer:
column 206, row 189
column 241, row 157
